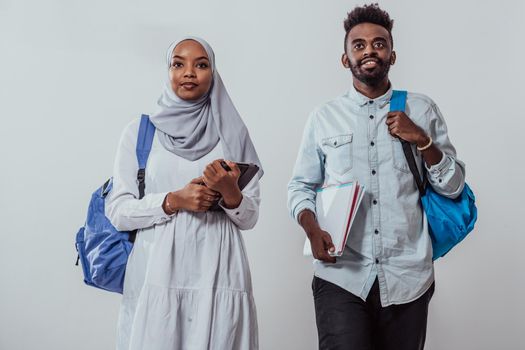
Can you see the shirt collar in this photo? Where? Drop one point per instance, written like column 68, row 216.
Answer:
column 362, row 100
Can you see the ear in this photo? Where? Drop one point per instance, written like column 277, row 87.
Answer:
column 345, row 60
column 393, row 58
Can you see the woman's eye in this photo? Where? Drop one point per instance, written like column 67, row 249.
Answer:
column 176, row 64
column 202, row 65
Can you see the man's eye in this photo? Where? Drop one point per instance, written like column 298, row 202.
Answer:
column 379, row 45
column 358, row 46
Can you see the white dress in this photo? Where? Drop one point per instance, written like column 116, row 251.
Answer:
column 187, row 283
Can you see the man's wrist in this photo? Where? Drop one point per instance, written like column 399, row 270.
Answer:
column 308, row 222
column 423, row 140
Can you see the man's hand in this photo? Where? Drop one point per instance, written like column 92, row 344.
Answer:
column 320, row 241
column 400, row 125
column 322, row 246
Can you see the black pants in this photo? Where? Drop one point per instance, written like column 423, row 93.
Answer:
column 345, row 321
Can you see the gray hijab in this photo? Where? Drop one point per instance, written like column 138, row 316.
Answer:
column 191, row 129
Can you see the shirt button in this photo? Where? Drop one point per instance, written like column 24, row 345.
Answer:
column 373, row 172
column 374, row 201
column 372, row 143
column 370, row 102
column 371, row 117
column 377, row 261
column 440, row 180
column 376, row 231
column 237, row 213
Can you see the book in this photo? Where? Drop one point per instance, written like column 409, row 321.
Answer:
column 336, row 207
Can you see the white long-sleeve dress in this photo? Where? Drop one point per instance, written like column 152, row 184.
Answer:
column 187, row 283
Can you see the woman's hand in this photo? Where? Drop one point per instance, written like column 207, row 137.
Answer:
column 193, row 197
column 223, row 181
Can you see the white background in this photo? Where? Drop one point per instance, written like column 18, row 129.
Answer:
column 74, row 73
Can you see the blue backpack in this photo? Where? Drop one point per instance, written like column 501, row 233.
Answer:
column 103, row 250
column 449, row 220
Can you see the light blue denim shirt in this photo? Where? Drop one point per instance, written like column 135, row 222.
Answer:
column 347, row 139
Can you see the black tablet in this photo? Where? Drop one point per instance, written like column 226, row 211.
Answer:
column 248, row 171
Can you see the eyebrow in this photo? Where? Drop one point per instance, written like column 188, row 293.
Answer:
column 197, row 59
column 379, row 38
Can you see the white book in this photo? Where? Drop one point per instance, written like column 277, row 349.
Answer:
column 336, row 207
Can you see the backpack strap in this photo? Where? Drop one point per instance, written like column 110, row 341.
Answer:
column 144, row 141
column 398, row 103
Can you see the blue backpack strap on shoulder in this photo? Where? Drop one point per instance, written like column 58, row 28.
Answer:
column 144, row 141
column 398, row 104
column 398, row 101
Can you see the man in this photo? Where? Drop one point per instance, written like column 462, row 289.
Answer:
column 376, row 295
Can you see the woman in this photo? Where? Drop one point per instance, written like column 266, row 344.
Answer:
column 188, row 283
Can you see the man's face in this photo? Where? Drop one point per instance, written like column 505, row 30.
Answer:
column 369, row 53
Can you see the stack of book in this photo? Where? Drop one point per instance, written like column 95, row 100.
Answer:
column 336, row 207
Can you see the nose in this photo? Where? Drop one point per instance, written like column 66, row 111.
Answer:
column 369, row 50
column 189, row 71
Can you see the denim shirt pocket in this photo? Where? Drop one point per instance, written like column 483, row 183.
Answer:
column 338, row 151
column 398, row 156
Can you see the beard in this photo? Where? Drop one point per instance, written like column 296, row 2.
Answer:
column 371, row 77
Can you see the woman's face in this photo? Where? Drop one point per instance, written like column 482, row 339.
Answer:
column 190, row 70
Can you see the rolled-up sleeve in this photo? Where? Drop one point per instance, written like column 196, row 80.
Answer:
column 448, row 176
column 123, row 208
column 308, row 173
column 245, row 216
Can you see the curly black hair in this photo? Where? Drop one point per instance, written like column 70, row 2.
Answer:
column 368, row 14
